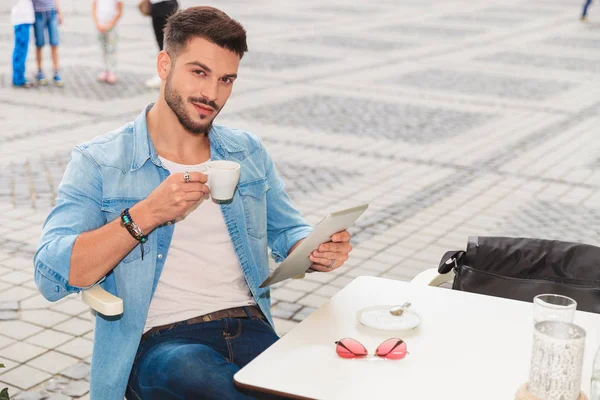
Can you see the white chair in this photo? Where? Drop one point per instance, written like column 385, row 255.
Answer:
column 431, row 277
column 102, row 302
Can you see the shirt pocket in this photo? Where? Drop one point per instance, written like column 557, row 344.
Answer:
column 254, row 200
column 112, row 208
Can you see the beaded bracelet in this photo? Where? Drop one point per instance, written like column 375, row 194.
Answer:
column 133, row 229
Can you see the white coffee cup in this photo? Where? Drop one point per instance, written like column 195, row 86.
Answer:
column 223, row 177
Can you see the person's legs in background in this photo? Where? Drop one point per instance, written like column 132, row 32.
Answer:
column 52, row 23
column 585, row 10
column 40, row 40
column 102, row 38
column 110, row 55
column 158, row 24
column 20, row 55
column 108, row 44
column 160, row 13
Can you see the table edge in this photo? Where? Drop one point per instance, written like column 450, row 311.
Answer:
column 269, row 391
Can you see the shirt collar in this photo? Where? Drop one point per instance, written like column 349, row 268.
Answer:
column 143, row 148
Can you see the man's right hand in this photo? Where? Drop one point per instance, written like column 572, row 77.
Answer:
column 170, row 200
column 107, row 245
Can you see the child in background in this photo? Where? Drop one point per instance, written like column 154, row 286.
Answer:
column 106, row 14
column 47, row 17
column 22, row 17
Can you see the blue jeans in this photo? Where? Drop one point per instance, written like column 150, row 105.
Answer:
column 20, row 53
column 585, row 8
column 46, row 20
column 197, row 361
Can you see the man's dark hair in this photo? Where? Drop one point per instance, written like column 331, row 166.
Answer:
column 205, row 22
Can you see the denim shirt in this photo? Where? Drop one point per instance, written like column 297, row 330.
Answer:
column 117, row 170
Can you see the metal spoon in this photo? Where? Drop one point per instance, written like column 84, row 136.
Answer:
column 398, row 310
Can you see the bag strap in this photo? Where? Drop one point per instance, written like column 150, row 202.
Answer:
column 451, row 259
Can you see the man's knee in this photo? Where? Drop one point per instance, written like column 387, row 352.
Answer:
column 188, row 371
column 200, row 366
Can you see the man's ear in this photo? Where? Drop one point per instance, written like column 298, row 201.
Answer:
column 164, row 64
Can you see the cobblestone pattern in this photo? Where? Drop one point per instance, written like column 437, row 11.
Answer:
column 492, row 19
column 83, row 85
column 576, row 64
column 429, row 31
column 274, row 61
column 304, row 180
column 361, row 44
column 334, row 114
column 555, row 221
column 35, row 181
column 573, row 42
column 479, row 83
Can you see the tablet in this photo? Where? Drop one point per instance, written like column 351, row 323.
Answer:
column 298, row 262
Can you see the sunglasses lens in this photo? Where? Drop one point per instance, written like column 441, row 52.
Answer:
column 394, row 349
column 350, row 348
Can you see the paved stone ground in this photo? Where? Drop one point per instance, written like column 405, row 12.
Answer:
column 451, row 118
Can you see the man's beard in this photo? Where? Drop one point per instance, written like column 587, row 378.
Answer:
column 176, row 103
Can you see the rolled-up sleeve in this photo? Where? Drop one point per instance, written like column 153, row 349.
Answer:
column 77, row 210
column 285, row 225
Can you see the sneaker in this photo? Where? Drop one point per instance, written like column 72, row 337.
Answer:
column 41, row 79
column 26, row 85
column 111, row 78
column 154, row 83
column 102, row 77
column 57, row 80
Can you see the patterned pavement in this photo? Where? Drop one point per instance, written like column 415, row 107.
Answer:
column 451, row 118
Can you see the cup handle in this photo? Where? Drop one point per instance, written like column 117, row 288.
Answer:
column 207, row 173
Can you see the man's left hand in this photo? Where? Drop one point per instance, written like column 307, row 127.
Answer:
column 333, row 254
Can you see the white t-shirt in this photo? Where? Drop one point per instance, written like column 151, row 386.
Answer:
column 22, row 13
column 202, row 273
column 106, row 10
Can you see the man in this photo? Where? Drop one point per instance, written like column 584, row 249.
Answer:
column 189, row 271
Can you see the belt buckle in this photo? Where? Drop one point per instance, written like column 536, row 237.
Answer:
column 206, row 318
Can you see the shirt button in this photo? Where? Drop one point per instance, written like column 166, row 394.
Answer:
column 160, row 256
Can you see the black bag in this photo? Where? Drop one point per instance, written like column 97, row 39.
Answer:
column 521, row 268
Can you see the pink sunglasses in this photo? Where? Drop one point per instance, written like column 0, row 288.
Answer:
column 393, row 349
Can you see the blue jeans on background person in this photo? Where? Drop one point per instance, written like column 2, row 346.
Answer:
column 585, row 8
column 19, row 58
column 198, row 361
column 46, row 20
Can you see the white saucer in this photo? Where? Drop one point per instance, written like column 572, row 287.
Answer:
column 379, row 317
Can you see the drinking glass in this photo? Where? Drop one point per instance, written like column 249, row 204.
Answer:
column 556, row 361
column 553, row 307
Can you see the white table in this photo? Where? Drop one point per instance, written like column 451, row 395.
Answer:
column 468, row 346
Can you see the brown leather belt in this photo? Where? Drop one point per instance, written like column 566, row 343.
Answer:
column 237, row 312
